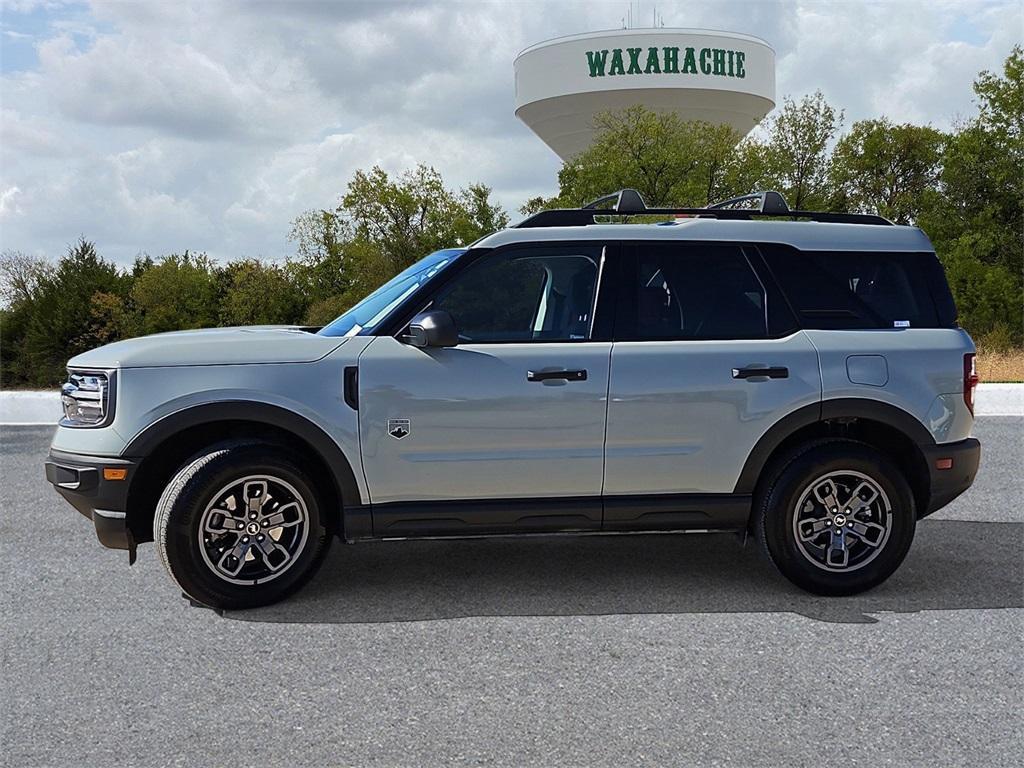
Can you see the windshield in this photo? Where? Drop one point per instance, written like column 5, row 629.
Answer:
column 367, row 314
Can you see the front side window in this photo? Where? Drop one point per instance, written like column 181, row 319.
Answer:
column 695, row 291
column 525, row 294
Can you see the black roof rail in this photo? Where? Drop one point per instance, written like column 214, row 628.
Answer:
column 628, row 202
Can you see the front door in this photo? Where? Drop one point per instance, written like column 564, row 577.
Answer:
column 504, row 432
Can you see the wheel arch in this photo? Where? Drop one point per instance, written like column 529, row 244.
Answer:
column 887, row 428
column 165, row 445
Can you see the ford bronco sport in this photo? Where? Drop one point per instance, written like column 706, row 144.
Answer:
column 800, row 375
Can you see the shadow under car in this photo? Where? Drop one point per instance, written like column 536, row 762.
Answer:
column 952, row 565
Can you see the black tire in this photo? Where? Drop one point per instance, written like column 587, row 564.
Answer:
column 835, row 465
column 189, row 504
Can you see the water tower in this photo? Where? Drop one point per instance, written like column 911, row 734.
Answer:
column 719, row 77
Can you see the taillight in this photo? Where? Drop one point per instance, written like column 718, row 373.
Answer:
column 970, row 379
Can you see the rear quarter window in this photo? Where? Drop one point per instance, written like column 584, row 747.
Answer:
column 869, row 289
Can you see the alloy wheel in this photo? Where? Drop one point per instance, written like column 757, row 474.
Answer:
column 253, row 529
column 842, row 521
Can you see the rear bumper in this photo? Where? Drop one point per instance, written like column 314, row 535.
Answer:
column 79, row 479
column 947, row 484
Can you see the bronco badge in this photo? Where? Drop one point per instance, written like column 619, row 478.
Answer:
column 398, row 428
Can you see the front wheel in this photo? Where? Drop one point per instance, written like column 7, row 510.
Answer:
column 837, row 519
column 240, row 527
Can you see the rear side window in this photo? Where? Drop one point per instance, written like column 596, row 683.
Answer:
column 692, row 291
column 836, row 290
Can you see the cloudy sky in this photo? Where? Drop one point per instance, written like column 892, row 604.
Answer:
column 164, row 125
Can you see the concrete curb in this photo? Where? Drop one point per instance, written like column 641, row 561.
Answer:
column 19, row 408
column 25, row 408
column 999, row 400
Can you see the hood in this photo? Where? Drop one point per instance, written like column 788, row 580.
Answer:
column 213, row 346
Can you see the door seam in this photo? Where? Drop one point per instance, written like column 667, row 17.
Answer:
column 604, row 443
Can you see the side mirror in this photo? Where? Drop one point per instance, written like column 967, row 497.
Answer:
column 434, row 328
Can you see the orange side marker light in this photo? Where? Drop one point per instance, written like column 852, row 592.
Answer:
column 114, row 473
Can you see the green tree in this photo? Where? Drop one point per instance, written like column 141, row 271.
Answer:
column 797, row 153
column 382, row 225
column 976, row 217
column 60, row 323
column 882, row 168
column 669, row 161
column 405, row 218
column 255, row 293
column 747, row 170
column 479, row 216
column 318, row 270
column 20, row 278
column 177, row 292
column 20, row 275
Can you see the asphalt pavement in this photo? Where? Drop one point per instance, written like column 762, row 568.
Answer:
column 636, row 650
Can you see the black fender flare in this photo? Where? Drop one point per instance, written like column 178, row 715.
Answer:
column 838, row 408
column 257, row 412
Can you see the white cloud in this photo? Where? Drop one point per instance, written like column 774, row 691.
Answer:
column 9, row 202
column 159, row 126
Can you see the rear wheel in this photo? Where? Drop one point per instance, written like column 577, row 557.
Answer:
column 837, row 518
column 240, row 527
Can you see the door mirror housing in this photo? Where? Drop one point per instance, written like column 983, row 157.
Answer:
column 434, row 328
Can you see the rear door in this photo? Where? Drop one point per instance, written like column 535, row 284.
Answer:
column 504, row 432
column 705, row 360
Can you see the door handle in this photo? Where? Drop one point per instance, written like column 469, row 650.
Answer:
column 774, row 372
column 580, row 375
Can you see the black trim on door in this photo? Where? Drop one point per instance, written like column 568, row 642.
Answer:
column 660, row 512
column 486, row 516
column 677, row 512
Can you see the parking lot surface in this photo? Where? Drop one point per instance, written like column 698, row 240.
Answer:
column 635, row 650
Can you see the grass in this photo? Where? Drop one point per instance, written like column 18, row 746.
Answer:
column 1006, row 365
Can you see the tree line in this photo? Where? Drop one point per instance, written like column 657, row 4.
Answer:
column 963, row 187
column 55, row 311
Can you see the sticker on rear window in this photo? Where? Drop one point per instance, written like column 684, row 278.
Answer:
column 900, row 323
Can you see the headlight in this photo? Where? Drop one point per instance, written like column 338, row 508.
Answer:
column 88, row 398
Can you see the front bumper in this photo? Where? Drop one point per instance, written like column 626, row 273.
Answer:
column 963, row 458
column 79, row 479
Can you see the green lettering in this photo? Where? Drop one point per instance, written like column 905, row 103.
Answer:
column 705, row 67
column 596, row 60
column 740, row 56
column 718, row 55
column 634, row 61
column 616, row 68
column 732, row 56
column 671, row 60
column 653, row 65
column 690, row 63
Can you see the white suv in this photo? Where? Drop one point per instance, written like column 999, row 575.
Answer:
column 794, row 373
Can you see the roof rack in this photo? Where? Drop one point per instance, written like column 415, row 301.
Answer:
column 628, row 202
